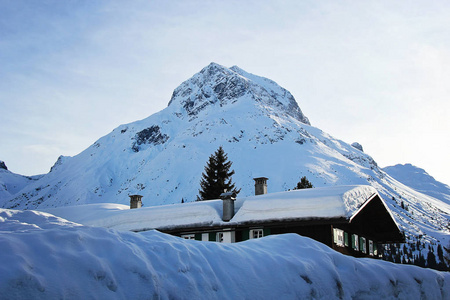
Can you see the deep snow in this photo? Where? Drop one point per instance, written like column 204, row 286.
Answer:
column 45, row 257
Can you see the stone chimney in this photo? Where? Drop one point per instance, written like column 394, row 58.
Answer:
column 260, row 185
column 135, row 201
column 228, row 199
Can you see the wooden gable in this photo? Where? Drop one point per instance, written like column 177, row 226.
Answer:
column 374, row 220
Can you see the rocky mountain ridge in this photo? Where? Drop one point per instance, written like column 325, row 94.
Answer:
column 215, row 84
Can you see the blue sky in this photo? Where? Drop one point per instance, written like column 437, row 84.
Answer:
column 375, row 72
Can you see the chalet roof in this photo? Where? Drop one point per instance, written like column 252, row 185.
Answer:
column 317, row 203
column 342, row 202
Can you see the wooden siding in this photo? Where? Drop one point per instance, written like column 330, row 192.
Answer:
column 375, row 222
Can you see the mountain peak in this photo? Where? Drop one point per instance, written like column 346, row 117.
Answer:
column 3, row 165
column 216, row 85
column 214, row 68
column 420, row 180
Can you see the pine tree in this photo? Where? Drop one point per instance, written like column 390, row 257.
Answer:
column 431, row 260
column 440, row 253
column 304, row 183
column 447, row 256
column 421, row 260
column 217, row 176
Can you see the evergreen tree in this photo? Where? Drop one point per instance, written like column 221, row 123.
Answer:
column 217, row 176
column 447, row 256
column 304, row 183
column 421, row 260
column 431, row 260
column 440, row 253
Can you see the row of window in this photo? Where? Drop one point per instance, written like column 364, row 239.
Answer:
column 226, row 236
column 341, row 238
column 358, row 243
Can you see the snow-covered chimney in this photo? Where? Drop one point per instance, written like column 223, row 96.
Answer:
column 135, row 201
column 260, row 185
column 228, row 199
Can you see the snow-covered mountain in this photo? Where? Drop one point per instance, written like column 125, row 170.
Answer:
column 258, row 123
column 419, row 180
column 260, row 126
column 11, row 183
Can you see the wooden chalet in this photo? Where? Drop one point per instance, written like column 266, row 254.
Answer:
column 353, row 220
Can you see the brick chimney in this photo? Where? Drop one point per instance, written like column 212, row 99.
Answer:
column 228, row 199
column 260, row 185
column 135, row 201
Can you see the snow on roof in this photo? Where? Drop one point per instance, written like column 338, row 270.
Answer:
column 117, row 216
column 333, row 202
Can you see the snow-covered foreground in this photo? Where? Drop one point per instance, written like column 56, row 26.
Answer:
column 46, row 257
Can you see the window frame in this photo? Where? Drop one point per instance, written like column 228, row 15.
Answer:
column 338, row 237
column 258, row 231
column 204, row 237
column 220, row 237
column 188, row 236
column 355, row 242
column 363, row 244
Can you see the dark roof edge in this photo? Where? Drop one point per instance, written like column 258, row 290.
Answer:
column 271, row 223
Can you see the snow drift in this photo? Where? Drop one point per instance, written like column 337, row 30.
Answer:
column 45, row 257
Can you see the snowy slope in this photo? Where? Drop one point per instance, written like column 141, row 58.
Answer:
column 11, row 183
column 259, row 125
column 419, row 180
column 44, row 257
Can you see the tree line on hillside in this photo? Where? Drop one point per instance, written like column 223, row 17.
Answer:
column 419, row 254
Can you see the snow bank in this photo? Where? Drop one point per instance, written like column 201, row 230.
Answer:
column 44, row 257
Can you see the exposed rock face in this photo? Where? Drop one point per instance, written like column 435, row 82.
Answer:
column 216, row 84
column 2, row 165
column 358, row 146
column 149, row 136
